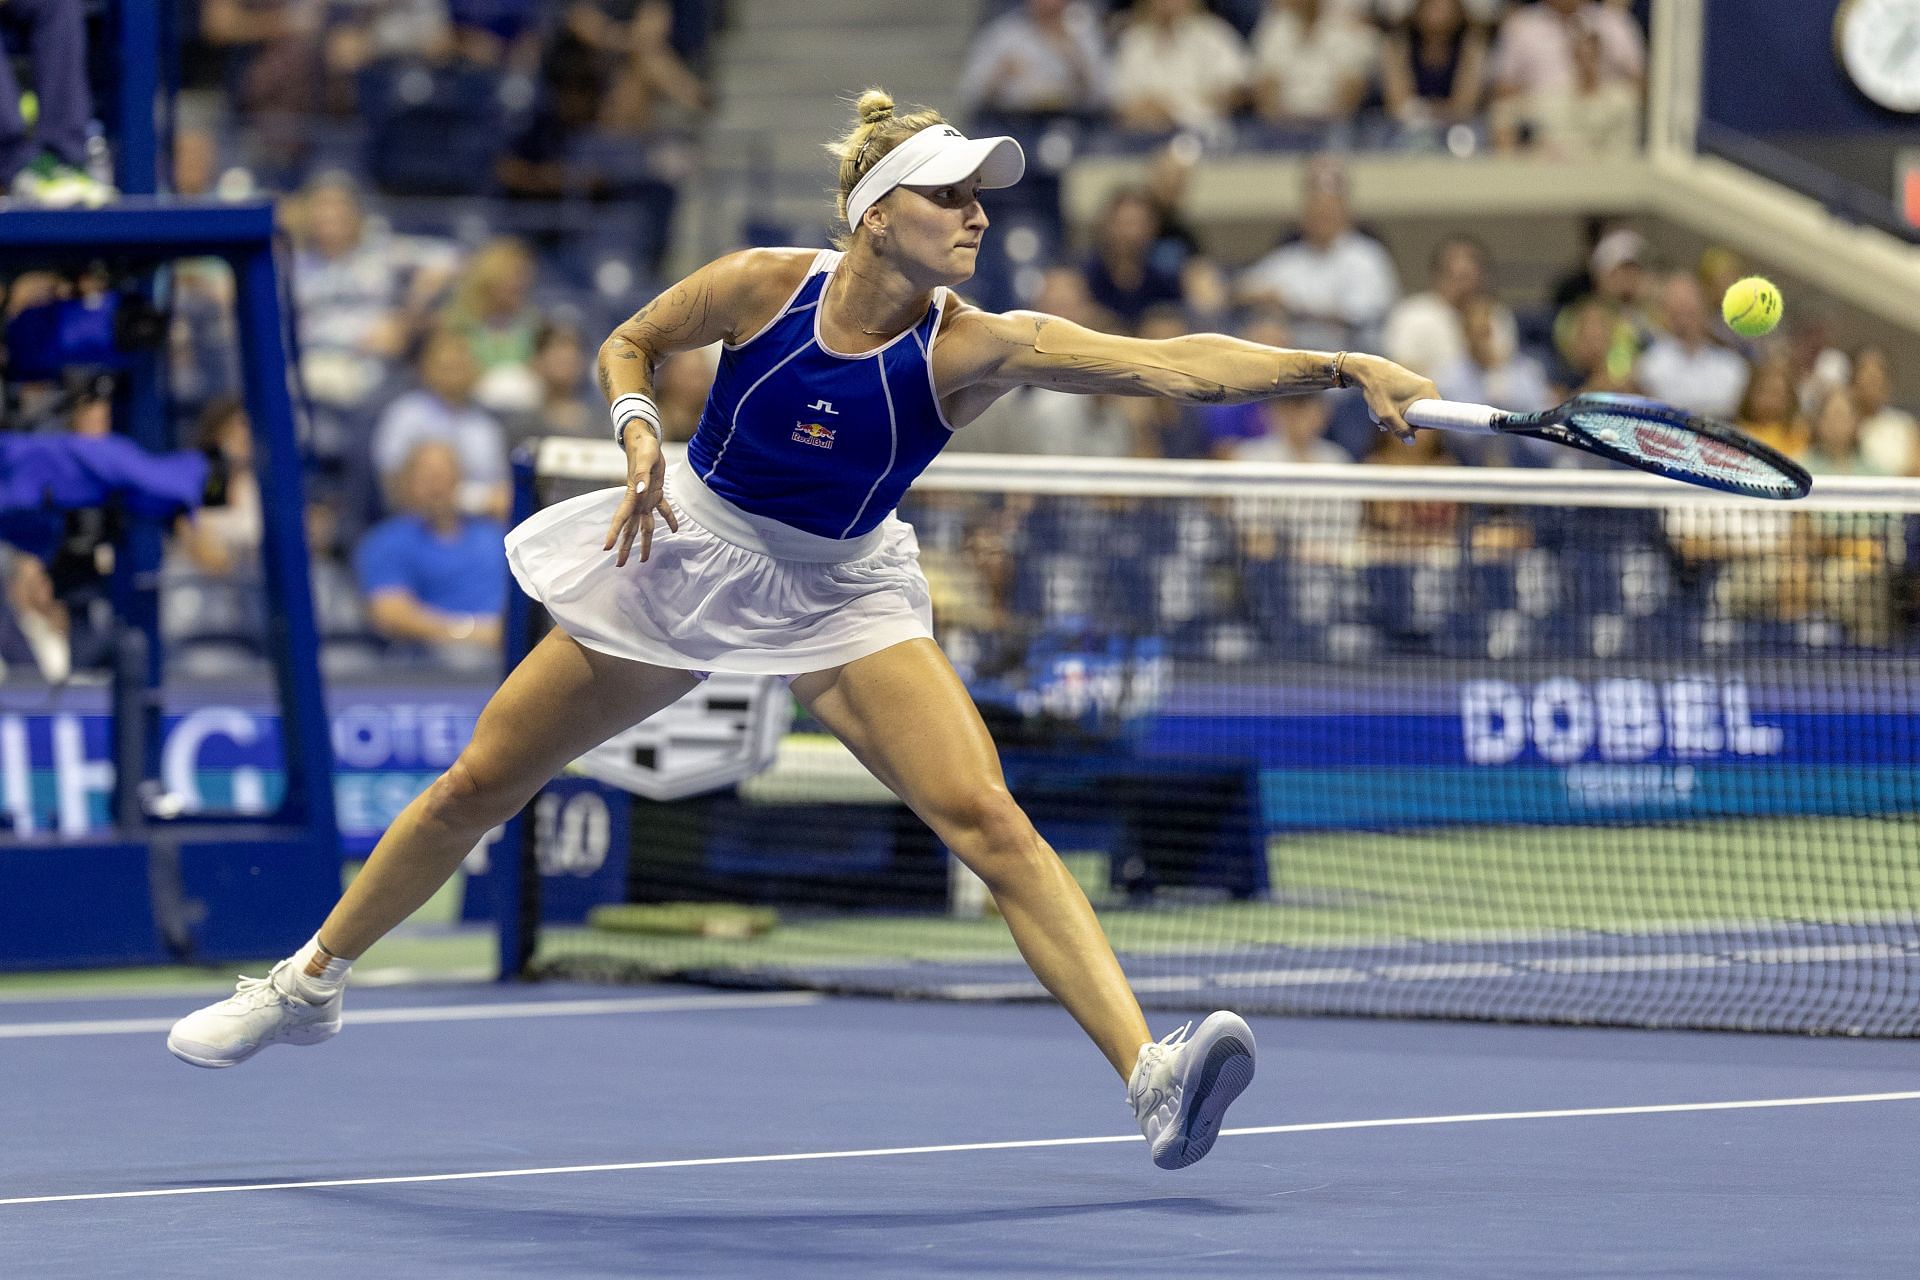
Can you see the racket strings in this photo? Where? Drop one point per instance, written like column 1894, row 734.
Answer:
column 1679, row 449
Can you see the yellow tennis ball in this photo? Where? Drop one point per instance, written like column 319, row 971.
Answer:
column 1752, row 306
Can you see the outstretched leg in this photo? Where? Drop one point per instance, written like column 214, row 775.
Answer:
column 909, row 719
column 563, row 700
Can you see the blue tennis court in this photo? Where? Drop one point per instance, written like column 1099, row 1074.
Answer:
column 678, row 1131
column 1542, row 783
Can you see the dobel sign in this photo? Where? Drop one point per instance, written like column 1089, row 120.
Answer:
column 1566, row 720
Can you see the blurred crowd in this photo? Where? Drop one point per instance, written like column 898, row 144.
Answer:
column 1561, row 76
column 432, row 341
column 545, row 91
column 428, row 345
column 421, row 366
column 1619, row 320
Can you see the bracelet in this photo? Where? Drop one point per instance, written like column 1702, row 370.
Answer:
column 1339, row 374
column 633, row 405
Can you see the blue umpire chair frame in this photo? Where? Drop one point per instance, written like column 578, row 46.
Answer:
column 197, row 886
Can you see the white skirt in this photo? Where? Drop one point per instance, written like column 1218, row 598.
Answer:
column 730, row 591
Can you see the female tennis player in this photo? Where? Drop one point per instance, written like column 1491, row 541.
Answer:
column 774, row 550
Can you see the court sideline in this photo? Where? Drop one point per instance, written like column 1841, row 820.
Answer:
column 764, row 1134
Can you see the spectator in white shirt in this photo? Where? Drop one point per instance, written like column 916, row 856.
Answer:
column 563, row 403
column 1178, row 67
column 1535, row 54
column 1048, row 58
column 1597, row 115
column 1684, row 366
column 1277, row 429
column 1424, row 330
column 1492, row 371
column 224, row 541
column 361, row 298
column 1336, row 283
column 442, row 409
column 1313, row 60
column 1889, row 437
column 1296, row 432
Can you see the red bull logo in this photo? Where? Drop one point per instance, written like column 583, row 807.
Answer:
column 814, row 434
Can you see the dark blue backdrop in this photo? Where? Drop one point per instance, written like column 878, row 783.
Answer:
column 1771, row 68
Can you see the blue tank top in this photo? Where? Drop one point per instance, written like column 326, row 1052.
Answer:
column 796, row 432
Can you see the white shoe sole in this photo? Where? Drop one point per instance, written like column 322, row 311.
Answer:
column 1220, row 1068
column 202, row 1055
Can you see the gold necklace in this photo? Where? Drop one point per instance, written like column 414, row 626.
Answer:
column 875, row 333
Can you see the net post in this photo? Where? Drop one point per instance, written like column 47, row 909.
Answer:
column 518, row 930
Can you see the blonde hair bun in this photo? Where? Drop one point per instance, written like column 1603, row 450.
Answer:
column 879, row 130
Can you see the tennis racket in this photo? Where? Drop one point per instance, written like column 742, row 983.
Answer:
column 1638, row 432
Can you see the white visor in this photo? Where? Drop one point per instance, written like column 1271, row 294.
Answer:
column 933, row 157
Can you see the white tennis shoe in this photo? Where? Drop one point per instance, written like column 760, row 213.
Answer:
column 1181, row 1087
column 260, row 1012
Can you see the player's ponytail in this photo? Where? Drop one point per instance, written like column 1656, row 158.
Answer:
column 874, row 106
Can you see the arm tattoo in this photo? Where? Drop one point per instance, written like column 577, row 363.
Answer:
column 646, row 336
column 1312, row 375
column 1116, row 375
column 692, row 306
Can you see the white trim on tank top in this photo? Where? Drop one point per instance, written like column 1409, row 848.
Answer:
column 893, row 450
column 940, row 297
column 813, row 269
column 733, row 421
column 821, row 342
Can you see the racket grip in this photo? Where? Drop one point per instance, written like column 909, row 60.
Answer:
column 1452, row 415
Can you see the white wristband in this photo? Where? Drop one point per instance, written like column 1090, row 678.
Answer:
column 633, row 405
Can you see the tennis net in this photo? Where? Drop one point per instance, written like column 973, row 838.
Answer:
column 1562, row 746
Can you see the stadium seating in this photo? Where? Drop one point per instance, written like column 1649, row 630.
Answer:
column 432, row 131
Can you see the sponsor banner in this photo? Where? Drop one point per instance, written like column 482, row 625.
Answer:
column 1563, row 748
column 1372, row 798
column 1365, row 749
column 1556, row 720
column 56, row 771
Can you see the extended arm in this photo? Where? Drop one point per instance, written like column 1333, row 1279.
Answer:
column 398, row 614
column 1470, row 78
column 1396, row 78
column 1024, row 348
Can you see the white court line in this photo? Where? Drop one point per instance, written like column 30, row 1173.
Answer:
column 385, row 976
column 1026, row 1144
column 1290, row 977
column 445, row 1013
